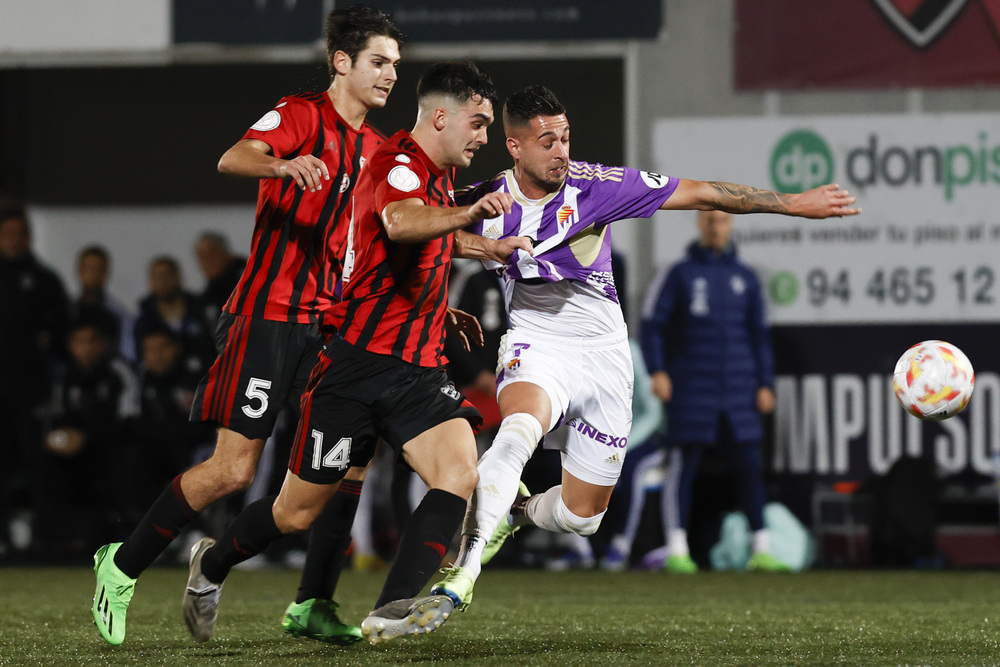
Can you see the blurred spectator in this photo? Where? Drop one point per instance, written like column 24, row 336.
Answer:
column 94, row 403
column 95, row 305
column 222, row 270
column 708, row 350
column 32, row 323
column 169, row 305
column 166, row 441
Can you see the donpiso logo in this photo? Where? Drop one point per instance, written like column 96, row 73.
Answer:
column 801, row 161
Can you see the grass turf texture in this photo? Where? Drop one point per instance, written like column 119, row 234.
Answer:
column 537, row 618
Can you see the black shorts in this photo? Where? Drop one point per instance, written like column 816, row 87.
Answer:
column 355, row 396
column 262, row 367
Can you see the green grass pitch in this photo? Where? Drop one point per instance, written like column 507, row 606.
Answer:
column 537, row 618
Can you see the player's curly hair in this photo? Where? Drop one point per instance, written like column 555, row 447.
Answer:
column 349, row 30
column 461, row 80
column 526, row 104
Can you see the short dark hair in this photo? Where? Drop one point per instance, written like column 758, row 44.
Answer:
column 349, row 30
column 159, row 329
column 98, row 251
column 529, row 103
column 166, row 260
column 217, row 239
column 459, row 79
column 84, row 322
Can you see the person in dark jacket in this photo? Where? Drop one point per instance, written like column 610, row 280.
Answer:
column 169, row 305
column 96, row 305
column 94, row 403
column 33, row 308
column 707, row 346
column 222, row 270
column 166, row 440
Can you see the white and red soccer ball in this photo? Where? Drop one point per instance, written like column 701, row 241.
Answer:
column 934, row 380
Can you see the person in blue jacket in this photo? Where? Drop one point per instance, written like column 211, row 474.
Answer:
column 707, row 347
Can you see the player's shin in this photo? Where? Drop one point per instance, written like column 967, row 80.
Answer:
column 248, row 535
column 500, row 471
column 163, row 522
column 424, row 544
column 329, row 541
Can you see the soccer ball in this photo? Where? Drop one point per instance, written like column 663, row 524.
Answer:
column 933, row 380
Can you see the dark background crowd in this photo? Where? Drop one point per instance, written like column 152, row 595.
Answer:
column 94, row 395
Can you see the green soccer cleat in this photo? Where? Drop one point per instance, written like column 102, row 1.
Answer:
column 505, row 528
column 317, row 619
column 112, row 595
column 765, row 562
column 681, row 565
column 415, row 616
column 457, row 585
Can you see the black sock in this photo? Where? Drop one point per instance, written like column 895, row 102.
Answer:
column 249, row 534
column 329, row 542
column 423, row 546
column 163, row 522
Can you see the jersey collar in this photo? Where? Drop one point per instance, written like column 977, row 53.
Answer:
column 520, row 198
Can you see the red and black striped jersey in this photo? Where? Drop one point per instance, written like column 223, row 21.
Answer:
column 297, row 247
column 396, row 294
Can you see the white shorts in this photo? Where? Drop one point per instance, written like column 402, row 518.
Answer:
column 589, row 382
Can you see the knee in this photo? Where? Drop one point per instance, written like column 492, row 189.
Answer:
column 239, row 479
column 231, row 476
column 517, row 438
column 297, row 522
column 294, row 519
column 465, row 480
column 572, row 523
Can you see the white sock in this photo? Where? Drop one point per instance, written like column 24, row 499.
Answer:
column 540, row 510
column 677, row 544
column 549, row 511
column 761, row 541
column 499, row 477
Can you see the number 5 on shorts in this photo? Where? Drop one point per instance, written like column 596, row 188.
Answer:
column 337, row 458
column 255, row 390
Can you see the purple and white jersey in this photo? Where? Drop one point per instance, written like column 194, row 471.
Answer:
column 569, row 226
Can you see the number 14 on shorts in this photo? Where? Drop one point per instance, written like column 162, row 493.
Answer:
column 338, row 458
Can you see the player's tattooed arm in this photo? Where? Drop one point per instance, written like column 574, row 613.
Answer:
column 822, row 202
column 736, row 198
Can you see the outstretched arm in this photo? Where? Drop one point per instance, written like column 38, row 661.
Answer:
column 823, row 202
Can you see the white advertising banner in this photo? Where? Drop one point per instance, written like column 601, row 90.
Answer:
column 925, row 247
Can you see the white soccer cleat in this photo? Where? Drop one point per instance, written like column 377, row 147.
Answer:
column 413, row 616
column 201, row 597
